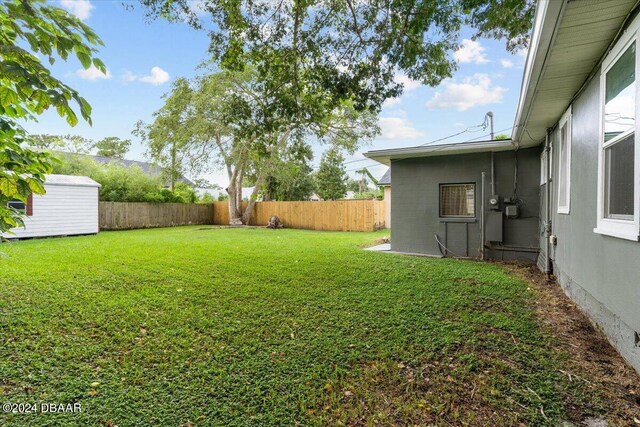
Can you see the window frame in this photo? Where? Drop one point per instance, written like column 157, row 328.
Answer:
column 459, row 217
column 23, row 210
column 28, row 205
column 615, row 227
column 544, row 176
column 565, row 120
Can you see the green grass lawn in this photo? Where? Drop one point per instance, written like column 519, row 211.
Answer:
column 255, row 327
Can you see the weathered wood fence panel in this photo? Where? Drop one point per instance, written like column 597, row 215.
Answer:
column 127, row 216
column 340, row 215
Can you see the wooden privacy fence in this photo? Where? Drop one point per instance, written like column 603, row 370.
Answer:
column 127, row 216
column 340, row 215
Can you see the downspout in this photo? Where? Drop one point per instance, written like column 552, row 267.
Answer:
column 547, row 226
column 482, row 235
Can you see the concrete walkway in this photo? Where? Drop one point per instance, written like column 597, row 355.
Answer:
column 386, row 248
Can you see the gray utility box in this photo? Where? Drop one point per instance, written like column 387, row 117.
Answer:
column 494, row 226
column 512, row 211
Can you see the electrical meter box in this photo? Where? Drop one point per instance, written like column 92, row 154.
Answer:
column 493, row 232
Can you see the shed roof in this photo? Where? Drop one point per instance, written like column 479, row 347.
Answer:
column 569, row 40
column 70, row 180
column 385, row 181
column 385, row 156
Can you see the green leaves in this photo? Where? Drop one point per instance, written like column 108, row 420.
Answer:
column 331, row 178
column 310, row 56
column 27, row 89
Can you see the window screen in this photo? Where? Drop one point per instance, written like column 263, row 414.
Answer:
column 458, row 200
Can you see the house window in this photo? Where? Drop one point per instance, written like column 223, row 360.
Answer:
column 564, row 163
column 18, row 206
column 543, row 166
column 457, row 200
column 619, row 158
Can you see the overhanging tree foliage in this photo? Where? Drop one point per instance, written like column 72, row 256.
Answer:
column 312, row 55
column 29, row 29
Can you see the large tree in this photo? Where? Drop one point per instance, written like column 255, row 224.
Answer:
column 292, row 176
column 312, row 55
column 228, row 122
column 29, row 31
column 169, row 135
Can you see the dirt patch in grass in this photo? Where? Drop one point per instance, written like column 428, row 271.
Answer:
column 592, row 360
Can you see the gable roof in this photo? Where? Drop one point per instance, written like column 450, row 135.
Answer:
column 569, row 40
column 385, row 181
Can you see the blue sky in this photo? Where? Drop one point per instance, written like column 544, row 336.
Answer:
column 143, row 58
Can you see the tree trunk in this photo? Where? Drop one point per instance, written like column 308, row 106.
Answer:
column 235, row 209
column 173, row 167
column 246, row 216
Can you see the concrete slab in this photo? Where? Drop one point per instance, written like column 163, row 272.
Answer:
column 379, row 248
column 386, row 248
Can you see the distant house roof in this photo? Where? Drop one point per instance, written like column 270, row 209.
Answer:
column 385, row 181
column 148, row 168
column 70, row 180
column 385, row 156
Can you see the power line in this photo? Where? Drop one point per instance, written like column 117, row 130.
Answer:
column 373, row 165
column 482, row 125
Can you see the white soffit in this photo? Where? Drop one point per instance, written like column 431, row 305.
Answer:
column 570, row 38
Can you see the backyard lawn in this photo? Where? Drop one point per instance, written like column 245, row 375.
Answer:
column 198, row 326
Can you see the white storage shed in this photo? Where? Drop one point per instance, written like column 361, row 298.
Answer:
column 69, row 207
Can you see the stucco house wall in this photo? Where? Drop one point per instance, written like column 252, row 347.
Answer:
column 415, row 203
column 600, row 273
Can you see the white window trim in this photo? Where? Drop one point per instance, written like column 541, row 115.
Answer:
column 566, row 119
column 624, row 229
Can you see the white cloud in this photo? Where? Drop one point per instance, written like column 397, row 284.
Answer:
column 471, row 51
column 506, row 63
column 80, row 8
column 473, row 91
column 391, row 102
column 92, row 73
column 157, row 77
column 398, row 128
column 407, row 82
column 129, row 77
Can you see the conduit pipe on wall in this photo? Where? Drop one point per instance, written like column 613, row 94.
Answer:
column 482, row 214
column 547, row 225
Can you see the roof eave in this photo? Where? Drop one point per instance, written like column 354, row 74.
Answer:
column 385, row 156
column 548, row 15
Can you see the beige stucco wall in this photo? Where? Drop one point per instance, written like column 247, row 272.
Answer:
column 387, row 207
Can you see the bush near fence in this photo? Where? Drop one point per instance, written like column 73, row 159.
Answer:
column 339, row 215
column 128, row 216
